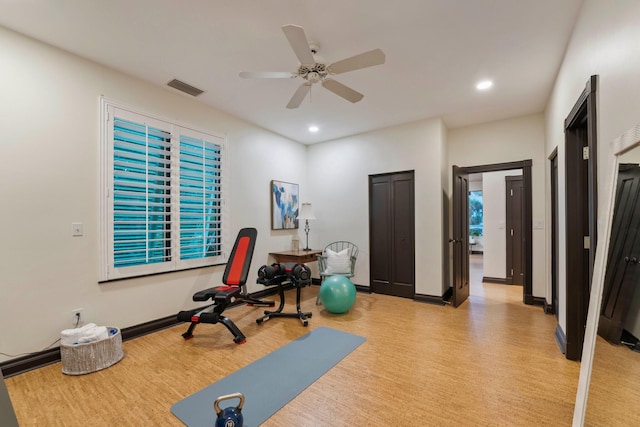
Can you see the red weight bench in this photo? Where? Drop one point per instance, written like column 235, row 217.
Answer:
column 233, row 291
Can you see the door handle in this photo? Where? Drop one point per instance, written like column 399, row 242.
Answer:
column 632, row 260
column 454, row 241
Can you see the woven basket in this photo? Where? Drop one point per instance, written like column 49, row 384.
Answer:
column 91, row 357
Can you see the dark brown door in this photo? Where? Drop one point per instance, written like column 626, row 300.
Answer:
column 514, row 188
column 555, row 221
column 392, row 234
column 460, row 239
column 624, row 252
column 581, row 199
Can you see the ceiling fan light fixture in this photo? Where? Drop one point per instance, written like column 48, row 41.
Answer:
column 313, row 77
column 312, row 68
column 484, row 84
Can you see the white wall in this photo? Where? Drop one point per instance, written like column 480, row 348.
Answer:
column 338, row 178
column 606, row 42
column 502, row 141
column 495, row 218
column 50, row 178
column 475, row 185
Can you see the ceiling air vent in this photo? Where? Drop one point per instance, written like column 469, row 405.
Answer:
column 184, row 87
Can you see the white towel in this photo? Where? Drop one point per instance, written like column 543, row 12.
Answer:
column 71, row 336
column 95, row 334
column 86, row 334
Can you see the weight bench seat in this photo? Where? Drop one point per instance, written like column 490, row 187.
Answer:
column 217, row 293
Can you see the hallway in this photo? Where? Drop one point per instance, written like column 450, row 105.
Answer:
column 495, row 291
column 476, row 272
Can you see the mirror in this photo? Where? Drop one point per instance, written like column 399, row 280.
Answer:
column 609, row 385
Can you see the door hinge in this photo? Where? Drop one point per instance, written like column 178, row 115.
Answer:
column 585, row 153
column 587, row 242
column 512, row 232
column 512, row 272
column 512, row 192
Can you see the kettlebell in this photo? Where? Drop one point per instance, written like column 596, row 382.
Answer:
column 229, row 417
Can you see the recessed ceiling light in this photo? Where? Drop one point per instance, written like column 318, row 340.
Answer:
column 484, row 85
column 313, row 129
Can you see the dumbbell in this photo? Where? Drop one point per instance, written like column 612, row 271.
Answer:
column 301, row 272
column 267, row 272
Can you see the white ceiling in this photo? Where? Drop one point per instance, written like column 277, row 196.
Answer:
column 436, row 50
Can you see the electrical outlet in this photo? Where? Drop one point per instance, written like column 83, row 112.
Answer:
column 76, row 229
column 76, row 317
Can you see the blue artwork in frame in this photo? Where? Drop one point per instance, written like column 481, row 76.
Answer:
column 284, row 205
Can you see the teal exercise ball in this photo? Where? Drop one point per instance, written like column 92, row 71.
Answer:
column 337, row 294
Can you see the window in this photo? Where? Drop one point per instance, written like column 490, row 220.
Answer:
column 162, row 188
column 475, row 213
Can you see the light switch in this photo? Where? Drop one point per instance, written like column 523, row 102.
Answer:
column 538, row 225
column 76, row 229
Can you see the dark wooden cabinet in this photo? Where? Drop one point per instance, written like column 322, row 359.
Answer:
column 392, row 234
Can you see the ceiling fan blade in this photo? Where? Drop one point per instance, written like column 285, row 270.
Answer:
column 267, row 75
column 367, row 59
column 299, row 96
column 341, row 90
column 299, row 44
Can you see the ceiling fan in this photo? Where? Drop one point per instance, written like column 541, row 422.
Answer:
column 313, row 69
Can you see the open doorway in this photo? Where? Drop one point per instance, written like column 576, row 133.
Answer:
column 476, row 234
column 495, row 232
column 524, row 169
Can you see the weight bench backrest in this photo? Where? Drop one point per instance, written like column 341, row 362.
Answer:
column 237, row 270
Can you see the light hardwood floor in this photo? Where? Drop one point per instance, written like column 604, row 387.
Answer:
column 614, row 393
column 491, row 362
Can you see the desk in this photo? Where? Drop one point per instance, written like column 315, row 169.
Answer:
column 298, row 257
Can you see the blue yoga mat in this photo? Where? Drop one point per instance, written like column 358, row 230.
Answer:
column 269, row 383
